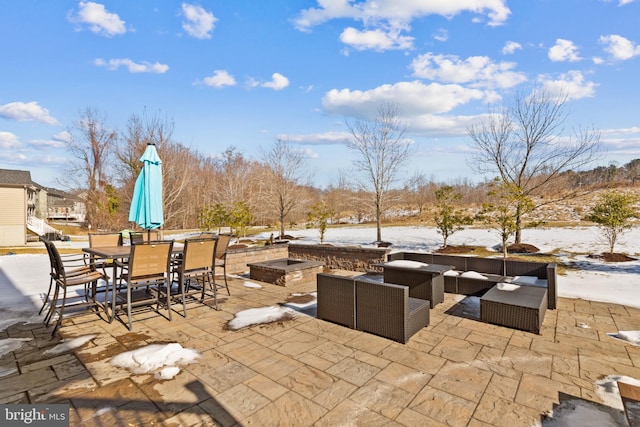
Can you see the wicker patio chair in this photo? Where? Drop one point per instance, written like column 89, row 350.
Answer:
column 386, row 310
column 336, row 299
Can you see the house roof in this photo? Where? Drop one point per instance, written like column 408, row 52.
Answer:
column 15, row 177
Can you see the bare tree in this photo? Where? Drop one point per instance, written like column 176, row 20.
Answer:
column 284, row 168
column 91, row 145
column 420, row 191
column 236, row 178
column 523, row 144
column 383, row 150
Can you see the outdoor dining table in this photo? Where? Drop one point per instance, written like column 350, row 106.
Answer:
column 424, row 281
column 113, row 254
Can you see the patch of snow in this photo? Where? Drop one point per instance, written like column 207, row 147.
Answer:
column 8, row 345
column 632, row 337
column 67, row 345
column 253, row 285
column 256, row 316
column 525, row 280
column 473, row 275
column 155, row 357
column 575, row 412
column 607, row 389
column 507, row 286
column 167, row 373
column 407, row 263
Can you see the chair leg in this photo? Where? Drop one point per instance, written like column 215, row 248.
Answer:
column 226, row 284
column 168, row 283
column 52, row 306
column 47, row 298
column 59, row 321
column 184, row 304
column 129, row 307
column 215, row 292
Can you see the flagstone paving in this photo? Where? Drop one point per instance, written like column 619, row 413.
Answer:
column 307, row 372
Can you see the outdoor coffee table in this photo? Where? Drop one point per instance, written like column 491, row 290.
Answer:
column 515, row 306
column 424, row 281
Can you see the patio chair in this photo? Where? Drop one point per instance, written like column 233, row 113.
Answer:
column 148, row 273
column 98, row 240
column 387, row 310
column 221, row 259
column 144, row 236
column 53, row 274
column 336, row 299
column 194, row 270
column 71, row 272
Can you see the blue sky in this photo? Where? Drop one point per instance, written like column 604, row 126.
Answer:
column 244, row 73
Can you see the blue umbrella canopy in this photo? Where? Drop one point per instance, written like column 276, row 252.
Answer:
column 146, row 203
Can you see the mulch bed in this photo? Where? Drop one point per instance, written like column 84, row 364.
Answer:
column 522, row 248
column 612, row 257
column 456, row 250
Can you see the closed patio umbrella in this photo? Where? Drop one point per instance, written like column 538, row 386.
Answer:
column 146, row 203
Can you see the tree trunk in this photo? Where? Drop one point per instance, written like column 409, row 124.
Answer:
column 518, row 235
column 281, row 226
column 378, row 223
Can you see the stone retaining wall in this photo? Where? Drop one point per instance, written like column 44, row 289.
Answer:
column 237, row 259
column 340, row 257
column 334, row 257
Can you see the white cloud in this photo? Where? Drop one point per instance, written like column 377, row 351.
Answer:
column 619, row 47
column 623, row 2
column 415, row 97
column 371, row 11
column 377, row 39
column 441, row 35
column 198, row 22
column 46, row 143
column 9, row 140
column 133, row 67
column 510, row 47
column 572, row 85
column 325, row 138
column 278, row 82
column 99, row 20
column 564, row 50
column 27, row 112
column 220, row 79
column 479, row 71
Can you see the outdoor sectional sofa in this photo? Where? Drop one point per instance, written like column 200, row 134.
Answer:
column 512, row 293
column 382, row 309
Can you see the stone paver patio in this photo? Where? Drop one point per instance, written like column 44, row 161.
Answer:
column 302, row 372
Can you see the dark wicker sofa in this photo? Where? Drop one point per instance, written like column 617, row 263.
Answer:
column 492, row 268
column 512, row 293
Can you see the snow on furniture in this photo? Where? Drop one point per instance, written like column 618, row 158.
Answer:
column 425, row 281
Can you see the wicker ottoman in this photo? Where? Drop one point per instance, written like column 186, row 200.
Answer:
column 519, row 307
